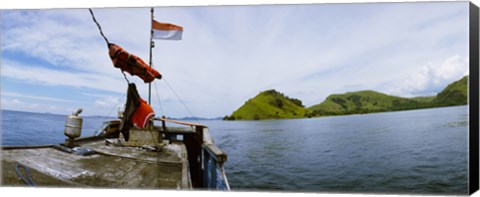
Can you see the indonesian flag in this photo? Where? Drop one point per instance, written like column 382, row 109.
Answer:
column 166, row 31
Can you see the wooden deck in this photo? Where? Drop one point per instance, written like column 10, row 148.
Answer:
column 110, row 167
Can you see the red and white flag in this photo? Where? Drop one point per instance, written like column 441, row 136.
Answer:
column 166, row 31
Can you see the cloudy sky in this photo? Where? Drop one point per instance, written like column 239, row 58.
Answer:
column 54, row 60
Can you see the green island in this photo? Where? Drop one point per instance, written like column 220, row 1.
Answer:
column 271, row 104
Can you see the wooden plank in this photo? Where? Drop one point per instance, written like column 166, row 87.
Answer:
column 179, row 130
column 180, row 122
column 219, row 155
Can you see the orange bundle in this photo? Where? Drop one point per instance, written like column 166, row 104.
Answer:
column 132, row 64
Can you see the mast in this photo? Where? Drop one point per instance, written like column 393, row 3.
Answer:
column 152, row 44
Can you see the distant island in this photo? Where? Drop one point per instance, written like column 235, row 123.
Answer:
column 271, row 104
column 190, row 118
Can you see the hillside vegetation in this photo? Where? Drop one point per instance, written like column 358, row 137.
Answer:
column 424, row 99
column 271, row 104
column 366, row 101
column 455, row 93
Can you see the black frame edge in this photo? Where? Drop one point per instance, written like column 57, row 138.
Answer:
column 473, row 99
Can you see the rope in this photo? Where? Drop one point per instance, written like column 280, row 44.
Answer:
column 30, row 181
column 158, row 98
column 181, row 101
column 98, row 25
column 120, row 100
column 125, row 77
column 104, row 37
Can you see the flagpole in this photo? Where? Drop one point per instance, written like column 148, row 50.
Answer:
column 151, row 47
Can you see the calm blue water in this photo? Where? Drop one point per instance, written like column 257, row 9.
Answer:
column 420, row 151
column 25, row 128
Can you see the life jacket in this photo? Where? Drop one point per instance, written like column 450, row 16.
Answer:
column 137, row 112
column 132, row 64
column 142, row 115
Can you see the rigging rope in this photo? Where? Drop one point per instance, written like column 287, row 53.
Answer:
column 120, row 100
column 158, row 98
column 98, row 25
column 28, row 182
column 125, row 77
column 181, row 101
column 103, row 35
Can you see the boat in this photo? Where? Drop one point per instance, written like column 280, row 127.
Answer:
column 160, row 153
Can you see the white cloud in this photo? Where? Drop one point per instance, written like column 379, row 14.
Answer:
column 106, row 102
column 453, row 68
column 19, row 105
column 431, row 78
column 15, row 94
column 59, row 37
column 17, row 102
column 41, row 106
column 53, row 77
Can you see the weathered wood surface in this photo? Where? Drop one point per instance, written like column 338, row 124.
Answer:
column 112, row 167
column 170, row 154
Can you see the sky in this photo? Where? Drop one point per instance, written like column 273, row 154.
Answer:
column 54, row 60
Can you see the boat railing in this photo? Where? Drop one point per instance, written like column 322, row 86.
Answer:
column 205, row 158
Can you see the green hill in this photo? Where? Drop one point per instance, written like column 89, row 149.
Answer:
column 269, row 104
column 369, row 101
column 363, row 102
column 455, row 93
